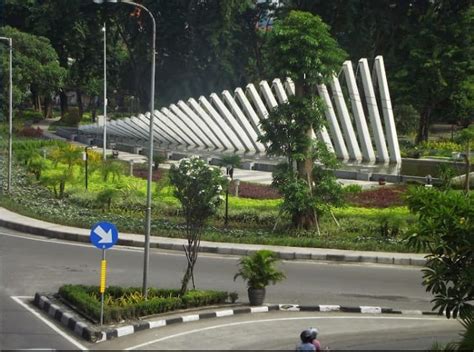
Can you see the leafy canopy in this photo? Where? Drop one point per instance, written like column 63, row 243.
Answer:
column 445, row 229
column 300, row 45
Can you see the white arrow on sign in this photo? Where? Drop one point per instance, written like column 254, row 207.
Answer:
column 106, row 237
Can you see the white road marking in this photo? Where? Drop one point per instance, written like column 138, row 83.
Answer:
column 17, row 299
column 266, row 321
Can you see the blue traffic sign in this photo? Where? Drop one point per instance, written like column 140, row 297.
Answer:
column 104, row 235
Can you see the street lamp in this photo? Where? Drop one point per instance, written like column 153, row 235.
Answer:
column 146, row 262
column 104, row 139
column 10, row 109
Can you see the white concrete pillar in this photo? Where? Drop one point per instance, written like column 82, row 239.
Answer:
column 290, row 86
column 232, row 123
column 221, row 134
column 242, row 120
column 193, row 126
column 376, row 124
column 171, row 127
column 188, row 134
column 358, row 112
column 251, row 91
column 390, row 127
column 345, row 119
column 145, row 128
column 280, row 91
column 268, row 95
column 202, row 123
column 338, row 140
column 166, row 128
column 221, row 122
column 249, row 111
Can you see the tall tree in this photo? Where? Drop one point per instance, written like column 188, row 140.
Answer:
column 35, row 68
column 435, row 58
column 300, row 47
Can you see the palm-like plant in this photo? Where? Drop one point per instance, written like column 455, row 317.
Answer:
column 259, row 269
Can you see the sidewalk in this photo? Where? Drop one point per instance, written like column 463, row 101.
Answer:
column 22, row 223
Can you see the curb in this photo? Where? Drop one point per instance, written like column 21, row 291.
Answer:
column 94, row 334
column 218, row 249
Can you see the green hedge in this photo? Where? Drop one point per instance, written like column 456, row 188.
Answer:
column 126, row 303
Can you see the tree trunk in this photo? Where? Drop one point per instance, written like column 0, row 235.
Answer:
column 424, row 125
column 305, row 219
column 93, row 106
column 48, row 107
column 63, row 102
column 80, row 105
column 38, row 103
column 191, row 251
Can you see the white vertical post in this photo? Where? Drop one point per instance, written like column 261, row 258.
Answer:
column 382, row 153
column 345, row 119
column 358, row 112
column 390, row 128
column 339, row 146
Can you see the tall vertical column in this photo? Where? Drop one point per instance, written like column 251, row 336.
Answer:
column 390, row 128
column 359, row 115
column 345, row 119
column 339, row 146
column 376, row 124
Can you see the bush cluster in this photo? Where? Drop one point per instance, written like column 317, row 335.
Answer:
column 31, row 115
column 127, row 303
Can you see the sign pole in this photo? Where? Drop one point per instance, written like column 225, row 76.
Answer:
column 103, row 268
column 103, row 236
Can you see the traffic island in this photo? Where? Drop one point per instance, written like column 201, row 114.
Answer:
column 93, row 332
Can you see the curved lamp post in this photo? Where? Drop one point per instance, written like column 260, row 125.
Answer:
column 10, row 112
column 150, row 151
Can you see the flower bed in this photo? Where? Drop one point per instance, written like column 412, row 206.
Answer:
column 382, row 197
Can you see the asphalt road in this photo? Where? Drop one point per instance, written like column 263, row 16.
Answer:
column 31, row 264
column 280, row 331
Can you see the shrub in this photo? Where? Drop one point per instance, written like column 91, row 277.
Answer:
column 352, row 189
column 445, row 229
column 440, row 148
column 127, row 303
column 72, row 117
column 31, row 115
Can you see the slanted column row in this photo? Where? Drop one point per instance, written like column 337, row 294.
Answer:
column 232, row 122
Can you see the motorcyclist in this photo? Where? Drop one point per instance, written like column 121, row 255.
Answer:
column 307, row 337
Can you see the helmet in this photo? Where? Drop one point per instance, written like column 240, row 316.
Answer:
column 315, row 332
column 308, row 335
